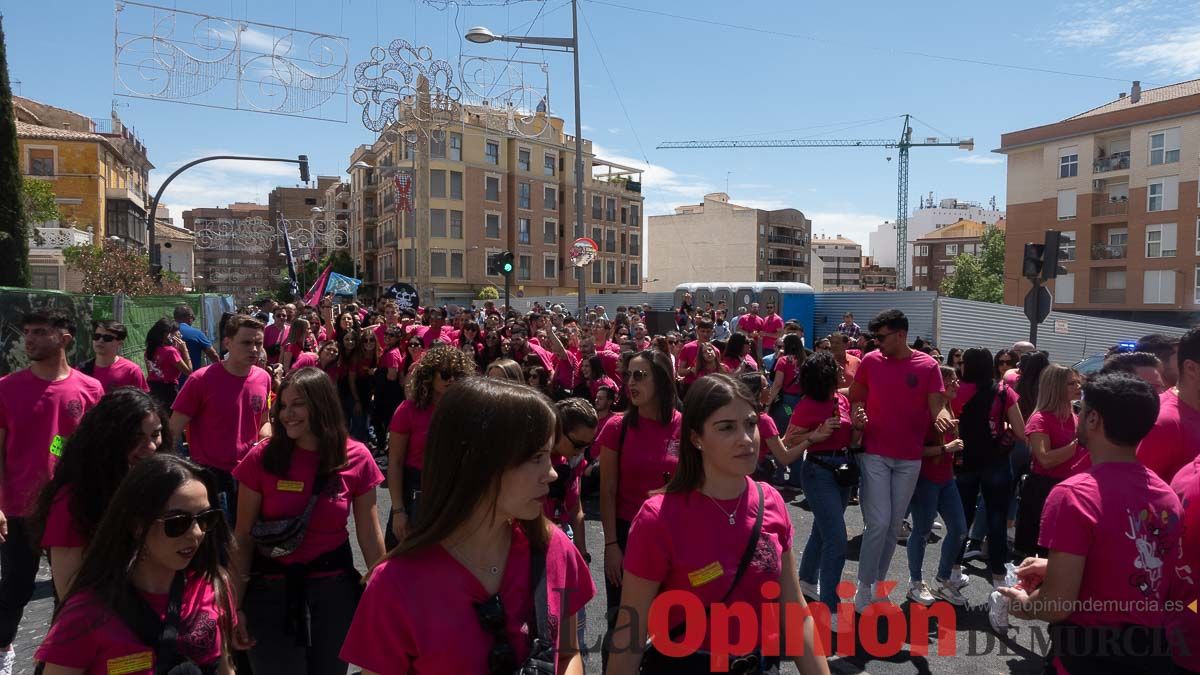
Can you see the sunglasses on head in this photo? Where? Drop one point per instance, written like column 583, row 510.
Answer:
column 178, row 524
column 490, row 613
column 100, row 337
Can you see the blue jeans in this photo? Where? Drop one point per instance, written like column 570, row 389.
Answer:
column 824, row 555
column 887, row 490
column 994, row 483
column 929, row 500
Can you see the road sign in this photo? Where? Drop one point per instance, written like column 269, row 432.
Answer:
column 1061, row 327
column 1037, row 304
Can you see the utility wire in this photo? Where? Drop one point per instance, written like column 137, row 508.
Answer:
column 613, row 82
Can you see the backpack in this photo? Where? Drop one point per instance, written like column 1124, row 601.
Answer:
column 982, row 427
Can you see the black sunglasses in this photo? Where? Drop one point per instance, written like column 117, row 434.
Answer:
column 99, row 337
column 639, row 375
column 416, row 344
column 450, row 375
column 177, row 525
column 502, row 659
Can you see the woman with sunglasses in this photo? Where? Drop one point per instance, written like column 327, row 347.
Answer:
column 309, row 454
column 1006, row 360
column 275, row 335
column 125, row 427
column 161, row 542
column 470, row 342
column 388, row 382
column 429, row 381
column 954, row 360
column 786, row 386
column 474, row 546
column 712, row 492
column 166, row 360
column 639, row 450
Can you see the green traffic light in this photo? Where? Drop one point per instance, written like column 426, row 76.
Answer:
column 508, row 267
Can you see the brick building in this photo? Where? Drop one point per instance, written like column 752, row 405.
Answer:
column 934, row 254
column 226, row 262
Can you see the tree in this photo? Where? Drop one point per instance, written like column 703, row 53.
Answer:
column 488, row 293
column 38, row 201
column 114, row 268
column 14, row 233
column 979, row 277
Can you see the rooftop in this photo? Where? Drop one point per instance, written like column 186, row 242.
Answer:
column 835, row 241
column 36, row 132
column 1156, row 95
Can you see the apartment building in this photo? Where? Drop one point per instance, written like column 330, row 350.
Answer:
column 493, row 190
column 718, row 240
column 305, row 204
column 935, row 253
column 1120, row 181
column 876, row 277
column 841, row 263
column 242, row 265
column 929, row 216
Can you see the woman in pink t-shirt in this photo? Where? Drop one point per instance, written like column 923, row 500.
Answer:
column 737, row 357
column 785, row 388
column 126, row 426
column 428, row 381
column 308, row 456
column 166, row 360
column 162, row 537
column 692, row 536
column 300, row 339
column 479, row 573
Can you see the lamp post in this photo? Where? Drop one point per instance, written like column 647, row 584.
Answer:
column 481, row 35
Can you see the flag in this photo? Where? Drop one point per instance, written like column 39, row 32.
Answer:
column 314, row 295
column 340, row 284
column 403, row 182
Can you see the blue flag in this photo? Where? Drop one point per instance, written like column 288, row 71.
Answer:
column 339, row 284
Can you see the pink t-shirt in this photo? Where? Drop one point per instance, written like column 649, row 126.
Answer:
column 164, row 367
column 286, row 496
column 647, row 461
column 746, row 363
column 966, row 391
column 809, row 414
column 766, row 431
column 787, row 369
column 392, row 358
column 226, row 413
column 560, row 511
column 122, row 373
column 429, row 336
column 687, row 359
column 684, row 541
column 938, row 468
column 1174, row 441
column 305, row 360
column 750, row 323
column 565, row 369
column 413, row 421
column 771, row 324
column 38, row 417
column 60, row 527
column 543, row 355
column 898, row 402
column 274, row 336
column 394, row 630
column 1187, row 624
column 847, row 370
column 1061, row 432
column 89, row 636
column 1128, row 524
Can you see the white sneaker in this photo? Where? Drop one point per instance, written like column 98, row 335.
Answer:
column 937, row 524
column 958, row 580
column 810, row 590
column 944, row 589
column 919, row 592
column 862, row 600
column 998, row 612
column 7, row 660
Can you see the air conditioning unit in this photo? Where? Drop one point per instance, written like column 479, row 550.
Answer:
column 1098, row 184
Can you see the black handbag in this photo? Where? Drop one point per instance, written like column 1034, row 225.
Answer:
column 840, row 463
column 543, row 651
column 277, row 538
column 162, row 635
column 654, row 661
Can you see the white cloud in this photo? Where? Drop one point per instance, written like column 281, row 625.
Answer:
column 1169, row 55
column 1086, row 32
column 979, row 159
column 614, row 130
column 221, row 182
column 852, row 225
column 1162, row 42
column 664, row 188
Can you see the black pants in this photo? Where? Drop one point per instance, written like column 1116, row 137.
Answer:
column 18, row 570
column 331, row 600
column 994, row 481
column 410, row 490
column 612, row 592
column 227, row 493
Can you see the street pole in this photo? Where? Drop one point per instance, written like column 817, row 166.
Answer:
column 578, row 157
column 1033, row 325
column 421, row 254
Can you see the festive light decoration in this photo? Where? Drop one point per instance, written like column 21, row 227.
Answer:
column 403, row 183
column 258, row 235
column 386, row 88
column 508, row 95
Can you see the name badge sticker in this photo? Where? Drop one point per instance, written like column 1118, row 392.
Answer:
column 290, row 486
column 134, row 663
column 56, row 445
column 706, row 574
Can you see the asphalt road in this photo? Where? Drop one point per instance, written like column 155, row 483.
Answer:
column 978, row 648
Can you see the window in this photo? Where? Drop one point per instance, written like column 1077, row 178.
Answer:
column 625, row 218
column 491, row 152
column 456, row 265
column 41, row 163
column 1064, row 289
column 597, row 207
column 437, row 264
column 456, row 224
column 1068, row 245
column 949, row 269
column 1066, row 204
column 1115, row 280
column 437, row 222
column 1195, row 291
column 549, row 232
column 1160, row 241
column 1162, row 194
column 486, row 255
column 522, row 230
column 634, row 279
column 635, row 244
column 635, row 215
column 622, row 243
column 610, row 211
column 550, row 270
column 597, row 237
column 437, row 183
column 410, row 261
column 1068, row 162
column 523, row 200
column 597, row 272
column 310, row 201
column 491, row 228
column 612, row 271
column 610, row 241
column 921, row 250
column 456, row 146
column 491, row 189
column 410, row 150
column 523, row 268
column 548, row 164
column 456, row 179
column 551, row 199
column 437, row 145
column 952, row 250
column 1164, row 146
column 1159, row 287
column 523, row 159
column 1119, row 236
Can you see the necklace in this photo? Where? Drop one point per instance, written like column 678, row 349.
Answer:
column 493, row 570
column 729, row 514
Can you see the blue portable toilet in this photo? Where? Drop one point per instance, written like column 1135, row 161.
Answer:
column 794, row 301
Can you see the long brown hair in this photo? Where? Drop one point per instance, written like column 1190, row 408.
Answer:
column 704, row 397
column 481, row 428
column 665, row 392
column 325, row 419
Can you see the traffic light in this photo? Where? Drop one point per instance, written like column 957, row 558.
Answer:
column 506, row 263
column 303, row 168
column 1031, row 267
column 1052, row 252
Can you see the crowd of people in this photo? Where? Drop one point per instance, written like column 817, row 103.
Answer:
column 198, row 515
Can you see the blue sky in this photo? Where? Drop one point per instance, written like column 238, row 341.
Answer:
column 809, row 70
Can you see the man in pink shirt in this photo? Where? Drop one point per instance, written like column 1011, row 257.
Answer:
column 1021, row 348
column 688, row 354
column 1174, row 441
column 847, row 362
column 110, row 368
column 901, row 389
column 1114, row 534
column 752, row 325
column 223, row 406
column 437, row 328
column 772, row 329
column 39, row 408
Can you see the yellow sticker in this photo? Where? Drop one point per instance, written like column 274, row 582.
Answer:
column 290, row 486
column 706, row 574
column 134, row 663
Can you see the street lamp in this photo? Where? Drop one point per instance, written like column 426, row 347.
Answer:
column 481, row 35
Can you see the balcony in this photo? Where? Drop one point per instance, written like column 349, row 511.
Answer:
column 785, row 262
column 1116, row 162
column 782, row 239
column 1107, row 296
column 127, row 193
column 57, row 238
column 1103, row 206
column 1108, row 251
